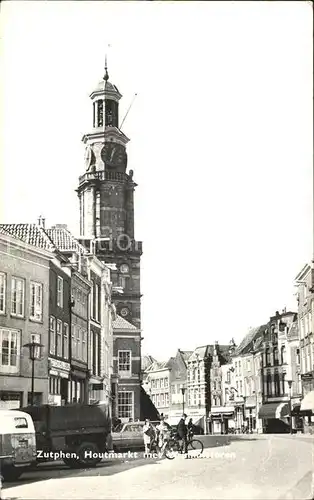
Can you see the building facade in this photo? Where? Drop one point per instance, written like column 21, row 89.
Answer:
column 280, row 372
column 126, row 370
column 305, row 284
column 106, row 199
column 24, row 318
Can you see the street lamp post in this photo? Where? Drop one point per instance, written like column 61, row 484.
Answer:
column 34, row 354
column 183, row 389
column 290, row 404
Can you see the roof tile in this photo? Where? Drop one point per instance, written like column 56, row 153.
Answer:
column 122, row 324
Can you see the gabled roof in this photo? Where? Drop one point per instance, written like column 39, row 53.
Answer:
column 186, row 354
column 122, row 324
column 33, row 234
column 65, row 241
column 208, row 350
column 147, row 361
column 247, row 343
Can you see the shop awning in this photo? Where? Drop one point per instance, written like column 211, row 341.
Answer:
column 274, row 410
column 307, row 403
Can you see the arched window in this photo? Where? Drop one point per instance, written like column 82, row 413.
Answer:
column 283, row 355
column 100, row 113
column 276, row 358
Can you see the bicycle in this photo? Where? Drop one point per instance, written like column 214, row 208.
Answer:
column 173, row 446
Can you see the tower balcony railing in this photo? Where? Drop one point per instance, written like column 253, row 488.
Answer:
column 103, row 175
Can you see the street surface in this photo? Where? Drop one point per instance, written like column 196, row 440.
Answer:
column 266, row 467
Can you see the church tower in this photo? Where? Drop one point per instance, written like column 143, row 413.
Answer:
column 106, row 197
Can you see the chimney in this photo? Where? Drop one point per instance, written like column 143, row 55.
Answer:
column 41, row 221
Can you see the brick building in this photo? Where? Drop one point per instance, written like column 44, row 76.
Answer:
column 126, row 388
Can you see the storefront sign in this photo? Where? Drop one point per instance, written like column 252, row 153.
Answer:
column 54, row 399
column 59, row 365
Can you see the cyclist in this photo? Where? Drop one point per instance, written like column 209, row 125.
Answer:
column 162, row 433
column 190, row 429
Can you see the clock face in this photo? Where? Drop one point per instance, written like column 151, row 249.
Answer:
column 113, row 154
column 124, row 312
column 88, row 156
column 124, row 268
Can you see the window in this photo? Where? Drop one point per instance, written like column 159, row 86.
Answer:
column 96, row 357
column 59, row 338
column 100, row 113
column 248, row 365
column 2, row 292
column 241, row 387
column 166, row 382
column 268, row 383
column 91, row 350
column 277, row 384
column 84, row 345
column 283, row 376
column 228, row 377
column 125, row 404
column 17, row 296
column 267, row 357
column 283, row 355
column 276, row 357
column 20, row 423
column 226, row 395
column 9, row 350
column 161, row 383
column 60, row 292
column 124, row 363
column 78, row 343
column 97, row 302
column 65, row 340
column 97, row 214
column 92, row 301
column 239, row 367
column 52, row 335
column 73, row 341
column 236, row 367
column 162, row 400
column 36, row 301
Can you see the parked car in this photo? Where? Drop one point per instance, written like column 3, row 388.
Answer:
column 17, row 444
column 127, row 436
column 130, row 435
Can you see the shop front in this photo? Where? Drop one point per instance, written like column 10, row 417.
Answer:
column 221, row 419
column 307, row 412
column 275, row 417
column 78, row 386
column 59, row 374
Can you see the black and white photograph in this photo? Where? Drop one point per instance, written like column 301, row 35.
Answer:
column 156, row 250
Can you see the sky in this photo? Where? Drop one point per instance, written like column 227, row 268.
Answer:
column 220, row 144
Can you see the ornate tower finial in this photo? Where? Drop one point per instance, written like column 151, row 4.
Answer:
column 106, row 77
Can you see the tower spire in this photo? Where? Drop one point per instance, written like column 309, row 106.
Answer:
column 106, row 76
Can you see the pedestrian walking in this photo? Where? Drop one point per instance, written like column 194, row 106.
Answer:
column 190, row 428
column 182, row 432
column 149, row 435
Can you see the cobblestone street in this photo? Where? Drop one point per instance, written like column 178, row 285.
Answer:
column 269, row 467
